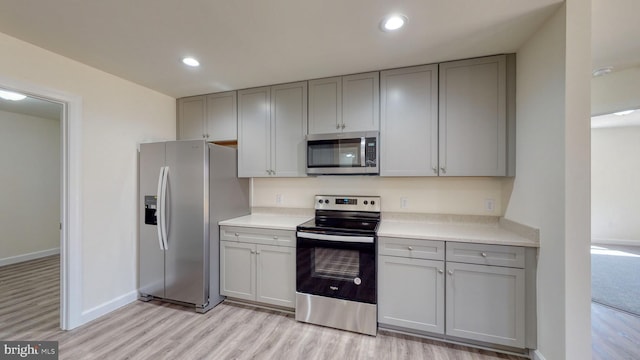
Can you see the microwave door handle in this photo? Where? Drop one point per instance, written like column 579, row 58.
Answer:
column 363, row 160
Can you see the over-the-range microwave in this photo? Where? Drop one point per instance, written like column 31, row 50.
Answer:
column 343, row 153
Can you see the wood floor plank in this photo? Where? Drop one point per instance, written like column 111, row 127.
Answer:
column 157, row 330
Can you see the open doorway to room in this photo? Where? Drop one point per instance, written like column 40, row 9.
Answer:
column 30, row 213
column 615, row 250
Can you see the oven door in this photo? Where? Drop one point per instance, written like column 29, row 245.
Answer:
column 337, row 266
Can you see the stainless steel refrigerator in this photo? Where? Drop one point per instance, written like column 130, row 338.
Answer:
column 185, row 188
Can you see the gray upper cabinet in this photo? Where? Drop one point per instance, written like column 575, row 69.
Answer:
column 409, row 121
column 272, row 124
column 344, row 103
column 254, row 132
column 474, row 104
column 191, row 117
column 222, row 117
column 212, row 117
column 325, row 105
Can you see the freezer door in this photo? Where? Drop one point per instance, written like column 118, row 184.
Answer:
column 186, row 256
column 150, row 255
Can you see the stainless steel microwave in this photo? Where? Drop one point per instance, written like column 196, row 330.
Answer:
column 343, row 153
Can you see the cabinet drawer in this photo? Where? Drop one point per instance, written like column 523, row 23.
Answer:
column 258, row 236
column 412, row 248
column 498, row 255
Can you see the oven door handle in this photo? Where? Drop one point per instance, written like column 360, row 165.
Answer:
column 340, row 238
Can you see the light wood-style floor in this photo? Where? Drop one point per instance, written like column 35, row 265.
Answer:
column 29, row 311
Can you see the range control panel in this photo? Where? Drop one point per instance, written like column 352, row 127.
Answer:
column 347, row 203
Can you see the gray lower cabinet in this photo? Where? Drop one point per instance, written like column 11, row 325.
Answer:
column 411, row 293
column 486, row 303
column 258, row 265
column 477, row 292
column 411, row 284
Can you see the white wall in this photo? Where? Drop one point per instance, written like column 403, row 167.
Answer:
column 615, row 179
column 551, row 187
column 116, row 115
column 30, row 191
column 462, row 196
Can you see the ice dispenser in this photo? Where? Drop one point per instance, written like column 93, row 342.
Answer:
column 150, row 208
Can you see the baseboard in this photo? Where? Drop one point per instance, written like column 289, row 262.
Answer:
column 30, row 256
column 107, row 307
column 623, row 242
column 536, row 355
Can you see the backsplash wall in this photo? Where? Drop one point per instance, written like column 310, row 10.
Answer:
column 460, row 196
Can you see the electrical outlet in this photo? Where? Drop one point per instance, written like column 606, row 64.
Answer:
column 279, row 199
column 403, row 203
column 489, row 205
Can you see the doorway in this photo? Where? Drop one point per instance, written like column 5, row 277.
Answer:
column 69, row 223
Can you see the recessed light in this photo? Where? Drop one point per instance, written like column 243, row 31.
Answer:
column 622, row 113
column 603, row 71
column 10, row 95
column 393, row 22
column 191, row 61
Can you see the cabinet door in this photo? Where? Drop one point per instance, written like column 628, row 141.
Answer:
column 411, row 293
column 254, row 132
column 222, row 119
column 409, row 121
column 473, row 117
column 276, row 275
column 486, row 303
column 237, row 270
column 325, row 105
column 361, row 102
column 289, row 127
column 191, row 117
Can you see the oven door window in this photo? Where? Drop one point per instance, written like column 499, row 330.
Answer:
column 340, row 270
column 335, row 264
column 334, row 153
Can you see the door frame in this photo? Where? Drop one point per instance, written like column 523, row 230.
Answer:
column 70, row 195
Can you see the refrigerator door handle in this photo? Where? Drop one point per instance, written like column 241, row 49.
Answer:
column 159, row 208
column 163, row 205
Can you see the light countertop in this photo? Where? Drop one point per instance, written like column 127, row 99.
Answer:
column 459, row 232
column 482, row 230
column 267, row 221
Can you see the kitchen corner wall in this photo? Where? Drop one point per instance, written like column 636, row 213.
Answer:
column 437, row 195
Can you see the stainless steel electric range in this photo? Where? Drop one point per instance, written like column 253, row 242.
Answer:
column 336, row 264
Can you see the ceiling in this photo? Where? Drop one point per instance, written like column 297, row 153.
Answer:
column 246, row 43
column 33, row 107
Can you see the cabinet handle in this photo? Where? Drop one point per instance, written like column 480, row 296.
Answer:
column 337, row 126
column 207, row 136
column 440, row 271
column 204, row 136
column 435, row 170
column 275, row 237
column 344, row 126
column 484, row 254
column 258, row 252
column 253, row 251
column 236, row 234
column 410, row 248
column 450, row 272
column 443, row 170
